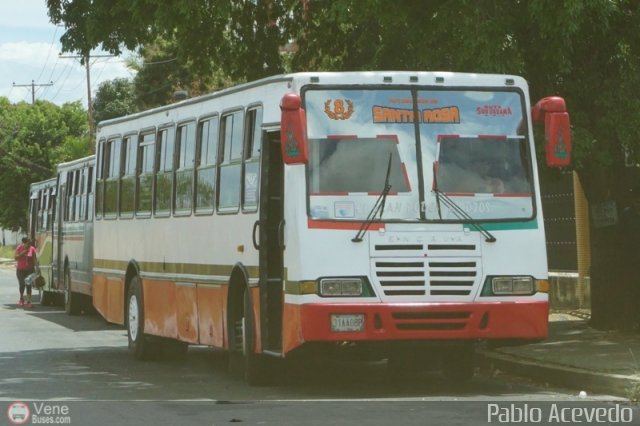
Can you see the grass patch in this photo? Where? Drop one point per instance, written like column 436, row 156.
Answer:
column 7, row 251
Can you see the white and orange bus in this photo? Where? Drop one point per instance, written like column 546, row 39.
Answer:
column 314, row 209
column 61, row 223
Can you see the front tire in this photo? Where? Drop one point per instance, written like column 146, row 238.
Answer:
column 140, row 345
column 459, row 364
column 253, row 365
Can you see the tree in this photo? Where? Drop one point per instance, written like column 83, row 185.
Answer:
column 114, row 98
column 208, row 35
column 587, row 52
column 163, row 71
column 33, row 139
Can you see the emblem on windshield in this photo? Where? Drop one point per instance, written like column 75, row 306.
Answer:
column 339, row 111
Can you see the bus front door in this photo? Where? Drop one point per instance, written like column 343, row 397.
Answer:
column 271, row 245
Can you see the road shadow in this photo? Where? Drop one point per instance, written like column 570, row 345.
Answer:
column 87, row 320
column 107, row 373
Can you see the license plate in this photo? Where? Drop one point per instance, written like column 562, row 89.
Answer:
column 347, row 322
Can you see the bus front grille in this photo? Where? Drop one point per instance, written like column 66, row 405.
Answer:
column 418, row 277
column 452, row 278
column 401, row 278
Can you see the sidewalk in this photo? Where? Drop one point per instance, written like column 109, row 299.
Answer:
column 576, row 356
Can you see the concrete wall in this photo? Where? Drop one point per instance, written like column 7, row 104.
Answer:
column 9, row 238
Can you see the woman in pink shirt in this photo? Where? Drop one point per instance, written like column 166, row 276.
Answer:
column 26, row 260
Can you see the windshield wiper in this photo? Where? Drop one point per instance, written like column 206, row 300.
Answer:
column 377, row 207
column 459, row 211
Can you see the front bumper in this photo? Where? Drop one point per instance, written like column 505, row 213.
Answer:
column 429, row 321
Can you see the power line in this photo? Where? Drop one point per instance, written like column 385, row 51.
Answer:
column 48, row 54
column 33, row 88
column 86, row 58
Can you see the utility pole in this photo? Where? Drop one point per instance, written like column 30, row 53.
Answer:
column 33, row 88
column 86, row 57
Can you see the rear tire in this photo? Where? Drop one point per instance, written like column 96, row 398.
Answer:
column 47, row 298
column 72, row 301
column 140, row 345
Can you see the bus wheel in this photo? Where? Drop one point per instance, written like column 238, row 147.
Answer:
column 140, row 345
column 253, row 365
column 459, row 365
column 71, row 299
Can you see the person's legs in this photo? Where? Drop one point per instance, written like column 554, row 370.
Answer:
column 22, row 286
column 28, row 298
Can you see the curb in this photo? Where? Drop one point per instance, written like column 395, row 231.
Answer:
column 572, row 377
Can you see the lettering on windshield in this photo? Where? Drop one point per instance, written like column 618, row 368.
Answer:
column 450, row 114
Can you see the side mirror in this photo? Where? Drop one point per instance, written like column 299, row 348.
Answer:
column 557, row 130
column 293, row 130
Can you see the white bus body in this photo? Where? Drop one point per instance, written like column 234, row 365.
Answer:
column 204, row 235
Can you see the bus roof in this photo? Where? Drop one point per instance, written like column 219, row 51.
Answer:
column 43, row 184
column 74, row 163
column 297, row 80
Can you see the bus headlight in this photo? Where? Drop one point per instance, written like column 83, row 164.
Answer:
column 334, row 287
column 512, row 285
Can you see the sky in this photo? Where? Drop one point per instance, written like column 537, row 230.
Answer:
column 29, row 52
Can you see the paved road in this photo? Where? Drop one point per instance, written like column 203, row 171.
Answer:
column 48, row 355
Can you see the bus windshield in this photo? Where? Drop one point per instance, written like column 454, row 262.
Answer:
column 469, row 145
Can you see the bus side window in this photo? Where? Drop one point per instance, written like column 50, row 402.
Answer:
column 100, row 179
column 71, row 201
column 39, row 203
column 251, row 159
column 145, row 169
column 207, row 157
column 164, row 171
column 52, row 207
column 231, row 132
column 90, row 195
column 45, row 208
column 128, row 179
column 77, row 192
column 185, row 162
column 111, row 174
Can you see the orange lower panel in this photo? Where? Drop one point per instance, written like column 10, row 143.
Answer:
column 160, row 301
column 194, row 314
column 108, row 298
column 211, row 319
column 100, row 294
column 187, row 313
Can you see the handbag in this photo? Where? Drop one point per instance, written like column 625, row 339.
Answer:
column 30, row 279
column 39, row 281
column 35, row 278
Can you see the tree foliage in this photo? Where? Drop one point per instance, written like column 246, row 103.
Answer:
column 114, row 98
column 587, row 52
column 163, row 70
column 208, row 33
column 33, row 139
